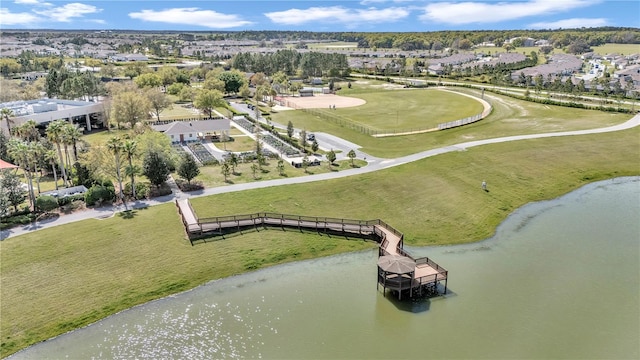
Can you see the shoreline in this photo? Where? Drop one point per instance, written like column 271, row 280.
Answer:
column 545, row 204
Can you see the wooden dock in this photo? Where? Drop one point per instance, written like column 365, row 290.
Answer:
column 420, row 276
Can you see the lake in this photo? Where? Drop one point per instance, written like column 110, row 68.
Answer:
column 560, row 279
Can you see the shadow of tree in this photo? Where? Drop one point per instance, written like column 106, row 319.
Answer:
column 128, row 214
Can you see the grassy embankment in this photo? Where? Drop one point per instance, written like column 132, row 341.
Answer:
column 67, row 276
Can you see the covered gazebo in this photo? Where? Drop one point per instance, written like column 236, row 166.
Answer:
column 396, row 272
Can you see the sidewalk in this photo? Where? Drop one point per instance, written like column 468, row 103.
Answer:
column 378, row 164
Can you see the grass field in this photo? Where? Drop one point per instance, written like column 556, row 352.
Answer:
column 60, row 278
column 622, row 49
column 389, row 110
column 509, row 117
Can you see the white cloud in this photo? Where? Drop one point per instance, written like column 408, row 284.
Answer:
column 337, row 14
column 23, row 18
column 32, row 3
column 191, row 16
column 482, row 12
column 574, row 23
column 68, row 12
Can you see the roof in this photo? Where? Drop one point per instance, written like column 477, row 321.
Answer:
column 184, row 127
column 7, row 165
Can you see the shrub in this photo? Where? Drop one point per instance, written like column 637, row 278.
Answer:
column 161, row 190
column 46, row 203
column 66, row 200
column 142, row 190
column 98, row 194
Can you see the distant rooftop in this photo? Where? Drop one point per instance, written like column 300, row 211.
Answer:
column 31, row 107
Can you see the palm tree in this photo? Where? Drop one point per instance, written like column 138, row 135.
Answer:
column 54, row 133
column 7, row 114
column 36, row 154
column 73, row 135
column 129, row 147
column 27, row 131
column 22, row 153
column 115, row 146
column 50, row 156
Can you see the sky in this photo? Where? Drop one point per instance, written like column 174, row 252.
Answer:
column 350, row 15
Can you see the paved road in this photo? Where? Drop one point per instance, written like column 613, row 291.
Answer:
column 375, row 164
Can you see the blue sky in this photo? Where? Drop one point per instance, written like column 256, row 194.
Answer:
column 363, row 15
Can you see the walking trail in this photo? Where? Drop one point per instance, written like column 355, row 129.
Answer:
column 374, row 164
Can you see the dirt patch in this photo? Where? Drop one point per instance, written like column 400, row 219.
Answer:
column 321, row 101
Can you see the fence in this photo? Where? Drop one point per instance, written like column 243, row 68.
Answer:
column 461, row 122
column 345, row 122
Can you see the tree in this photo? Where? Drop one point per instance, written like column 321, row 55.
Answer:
column 148, row 80
column 155, row 168
column 11, row 189
column 27, row 131
column 305, row 163
column 281, row 167
column 115, row 146
column 233, row 161
column 315, row 146
column 135, row 69
column 50, row 156
column 352, row 155
column 130, row 150
column 130, row 107
column 290, row 129
column 233, row 80
column 72, row 135
column 254, row 170
column 188, row 168
column 225, row 170
column 303, row 139
column 213, row 83
column 331, row 156
column 108, row 71
column 55, row 132
column 207, row 100
column 7, row 114
column 159, row 101
column 23, row 154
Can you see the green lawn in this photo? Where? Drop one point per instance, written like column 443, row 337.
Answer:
column 509, row 117
column 622, row 49
column 406, row 109
column 67, row 276
column 211, row 176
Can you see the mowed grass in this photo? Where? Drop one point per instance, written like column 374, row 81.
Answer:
column 509, row 117
column 211, row 175
column 622, row 49
column 395, row 110
column 67, row 276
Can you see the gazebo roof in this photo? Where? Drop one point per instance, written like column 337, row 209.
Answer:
column 396, row 264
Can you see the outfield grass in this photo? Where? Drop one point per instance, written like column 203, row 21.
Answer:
column 389, row 110
column 509, row 117
column 67, row 276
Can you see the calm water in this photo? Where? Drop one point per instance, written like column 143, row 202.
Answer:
column 561, row 279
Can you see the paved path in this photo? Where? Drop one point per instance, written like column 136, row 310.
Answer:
column 374, row 165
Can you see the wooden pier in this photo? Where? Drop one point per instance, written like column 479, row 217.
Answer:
column 398, row 271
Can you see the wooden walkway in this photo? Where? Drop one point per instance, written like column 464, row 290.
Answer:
column 426, row 275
